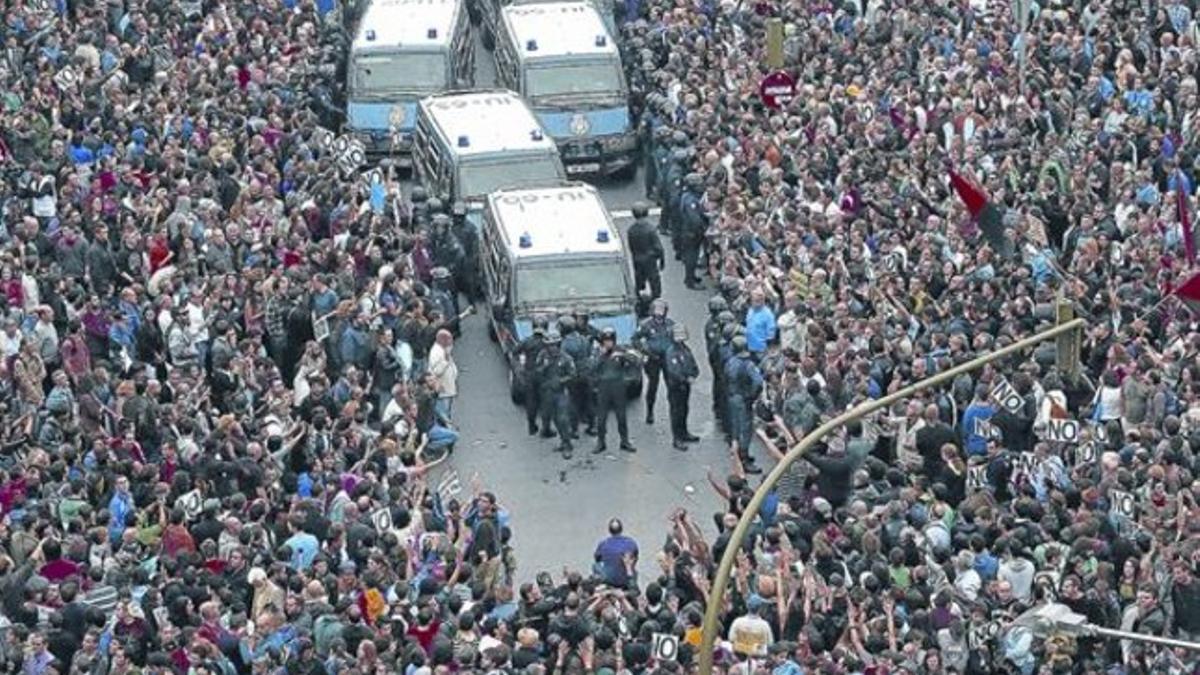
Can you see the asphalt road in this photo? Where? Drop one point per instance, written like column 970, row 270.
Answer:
column 559, row 508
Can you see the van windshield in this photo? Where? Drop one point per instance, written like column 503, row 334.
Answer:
column 596, row 80
column 600, row 284
column 378, row 76
column 480, row 178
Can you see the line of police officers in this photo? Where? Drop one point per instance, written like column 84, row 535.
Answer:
column 575, row 376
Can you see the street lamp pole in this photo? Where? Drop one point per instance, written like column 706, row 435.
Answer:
column 716, row 596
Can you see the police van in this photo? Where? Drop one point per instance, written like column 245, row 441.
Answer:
column 562, row 59
column 487, row 14
column 469, row 144
column 545, row 251
column 404, row 50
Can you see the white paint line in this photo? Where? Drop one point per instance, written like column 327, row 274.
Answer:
column 626, row 214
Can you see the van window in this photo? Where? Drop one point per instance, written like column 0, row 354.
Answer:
column 601, row 282
column 481, row 178
column 566, row 80
column 399, row 72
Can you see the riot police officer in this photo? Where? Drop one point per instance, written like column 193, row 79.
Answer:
column 469, row 239
column 578, row 346
column 583, row 325
column 555, row 370
column 679, row 366
column 612, row 369
column 416, row 200
column 658, row 151
column 445, row 249
column 692, row 222
column 670, row 188
column 652, row 338
column 661, row 160
column 424, row 219
column 712, row 327
column 647, row 252
column 722, row 352
column 527, row 353
column 745, row 382
column 443, row 298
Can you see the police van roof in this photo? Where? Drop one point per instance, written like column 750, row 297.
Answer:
column 486, row 122
column 549, row 29
column 554, row 220
column 411, row 24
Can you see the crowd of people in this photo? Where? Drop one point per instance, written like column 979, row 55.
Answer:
column 228, row 363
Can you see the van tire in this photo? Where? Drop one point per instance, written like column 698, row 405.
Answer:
column 626, row 173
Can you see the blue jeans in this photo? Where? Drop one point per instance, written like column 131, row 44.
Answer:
column 443, row 408
column 441, row 437
column 740, row 426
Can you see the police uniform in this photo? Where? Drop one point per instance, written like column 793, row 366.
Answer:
column 693, row 224
column 679, row 366
column 744, row 381
column 528, row 352
column 647, row 252
column 443, row 298
column 469, row 239
column 611, row 370
column 653, row 337
column 555, row 371
column 657, row 152
column 670, row 190
column 578, row 346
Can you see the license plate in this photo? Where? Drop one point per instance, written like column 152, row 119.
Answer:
column 590, row 167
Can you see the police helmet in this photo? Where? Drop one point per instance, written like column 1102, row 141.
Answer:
column 680, row 138
column 663, row 133
column 581, row 312
column 729, row 331
column 727, row 317
column 680, row 155
column 439, row 272
column 434, row 205
column 608, row 333
column 640, row 210
column 739, row 343
column 418, row 195
column 459, row 209
column 693, row 180
column 681, row 332
column 540, row 324
column 566, row 324
column 440, row 220
column 659, row 306
column 553, row 339
column 717, row 304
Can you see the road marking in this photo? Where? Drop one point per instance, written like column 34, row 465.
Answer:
column 626, row 214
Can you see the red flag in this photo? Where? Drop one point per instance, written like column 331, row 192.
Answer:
column 1184, row 212
column 1189, row 293
column 972, row 196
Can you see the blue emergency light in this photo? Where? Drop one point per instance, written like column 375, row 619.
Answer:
column 525, row 241
column 463, row 141
column 431, row 34
column 531, row 46
column 602, row 236
column 536, row 134
column 370, row 35
column 601, row 40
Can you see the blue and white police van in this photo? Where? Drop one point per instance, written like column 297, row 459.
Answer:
column 562, row 59
column 548, row 251
column 469, row 144
column 404, row 50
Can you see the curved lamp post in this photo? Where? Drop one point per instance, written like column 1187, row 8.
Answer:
column 720, row 582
